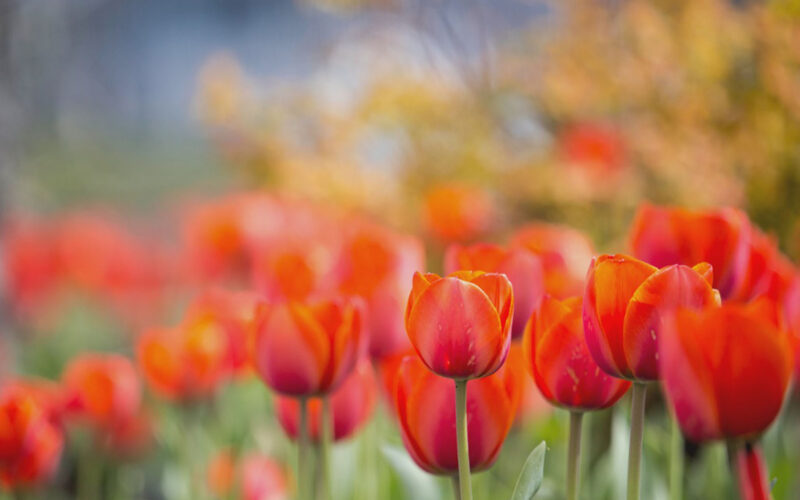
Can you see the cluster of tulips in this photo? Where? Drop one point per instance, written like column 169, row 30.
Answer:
column 332, row 311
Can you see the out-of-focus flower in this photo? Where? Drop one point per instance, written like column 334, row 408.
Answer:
column 308, row 349
column 624, row 305
column 221, row 474
column 522, row 268
column 725, row 370
column 565, row 254
column 460, row 324
column 559, row 360
column 351, row 406
column 50, row 396
column 30, row 444
column 667, row 235
column 532, row 405
column 213, row 239
column 791, row 312
column 425, row 405
column 131, row 438
column 103, row 389
column 284, row 273
column 376, row 264
column 768, row 273
column 253, row 477
column 456, row 212
column 593, row 146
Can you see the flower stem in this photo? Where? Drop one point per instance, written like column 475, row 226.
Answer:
column 90, row 476
column 637, row 430
column 456, row 487
column 574, row 456
column 327, row 439
column 675, row 462
column 303, row 479
column 465, row 485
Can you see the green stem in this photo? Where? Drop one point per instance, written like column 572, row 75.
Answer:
column 637, row 430
column 465, row 485
column 90, row 476
column 327, row 439
column 456, row 487
column 574, row 456
column 675, row 462
column 303, row 480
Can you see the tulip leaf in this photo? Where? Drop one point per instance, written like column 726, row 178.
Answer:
column 530, row 479
column 416, row 482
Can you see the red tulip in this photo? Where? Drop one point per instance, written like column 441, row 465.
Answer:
column 131, row 438
column 532, row 405
column 623, row 308
column 308, row 349
column 595, row 146
column 460, row 325
column 666, row 235
column 559, row 360
column 284, row 274
column 425, row 406
column 725, row 370
column 523, row 269
column 254, row 476
column 351, row 406
column 791, row 311
column 30, row 444
column 565, row 253
column 768, row 272
column 456, row 212
column 104, row 389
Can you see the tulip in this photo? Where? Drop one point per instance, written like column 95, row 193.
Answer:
column 532, row 405
column 564, row 252
column 594, row 146
column 254, row 477
column 425, row 412
column 768, row 273
column 791, row 311
column 351, row 406
column 565, row 372
column 104, row 389
column 284, row 274
column 523, row 269
column 453, row 212
column 664, row 235
column 30, row 444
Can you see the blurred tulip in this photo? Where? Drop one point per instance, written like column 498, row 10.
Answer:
column 351, row 406
column 456, row 212
column 284, row 274
column 460, row 325
column 532, row 405
column 221, row 474
column 665, row 235
column 308, row 349
column 103, row 389
column 213, row 239
column 252, row 477
column 725, row 371
column 426, row 412
column 593, row 146
column 623, row 308
column 131, row 438
column 559, row 360
column 791, row 311
column 30, row 444
column 376, row 264
column 565, row 254
column 768, row 272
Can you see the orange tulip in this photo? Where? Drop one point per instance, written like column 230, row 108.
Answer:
column 593, row 146
column 460, row 325
column 532, row 405
column 565, row 254
column 351, row 406
column 30, row 444
column 768, row 273
column 425, row 406
column 104, row 389
column 559, row 360
column 725, row 370
column 456, row 212
column 254, row 477
column 522, row 268
column 623, row 308
column 665, row 235
column 308, row 349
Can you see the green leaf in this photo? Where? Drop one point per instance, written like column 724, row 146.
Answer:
column 530, row 479
column 416, row 482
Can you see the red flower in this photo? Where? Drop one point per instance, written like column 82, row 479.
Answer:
column 351, row 406
column 308, row 349
column 725, row 370
column 594, row 146
column 425, row 406
column 666, row 235
column 623, row 307
column 565, row 254
column 532, row 405
column 30, row 444
column 104, row 389
column 460, row 325
column 522, row 268
column 255, row 477
column 456, row 212
column 768, row 272
column 559, row 359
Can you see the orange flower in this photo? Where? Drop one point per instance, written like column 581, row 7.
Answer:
column 623, row 307
column 308, row 349
column 522, row 268
column 565, row 254
column 594, row 146
column 351, row 406
column 460, row 325
column 30, row 444
column 532, row 405
column 425, row 406
column 768, row 272
column 725, row 370
column 559, row 360
column 104, row 389
column 254, row 477
column 667, row 235
column 456, row 212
